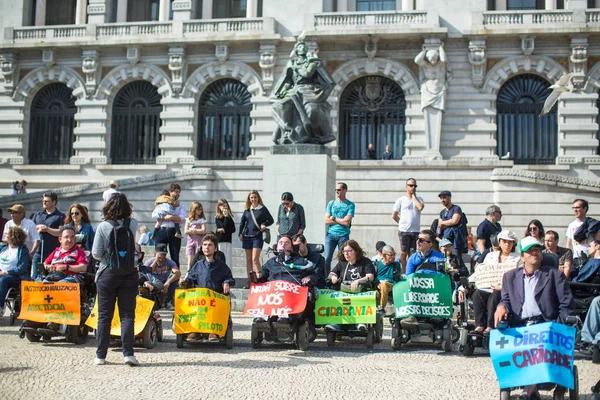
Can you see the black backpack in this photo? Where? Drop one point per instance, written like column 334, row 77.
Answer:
column 121, row 248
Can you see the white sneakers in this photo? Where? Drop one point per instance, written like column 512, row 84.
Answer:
column 129, row 360
column 99, row 361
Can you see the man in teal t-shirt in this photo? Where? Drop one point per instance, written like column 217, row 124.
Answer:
column 339, row 220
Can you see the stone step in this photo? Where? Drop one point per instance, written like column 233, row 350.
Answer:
column 238, row 298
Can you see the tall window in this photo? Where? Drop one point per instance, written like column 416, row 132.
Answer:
column 52, row 123
column 522, row 135
column 224, row 121
column 229, row 8
column 375, row 5
column 371, row 111
column 135, row 124
column 142, row 10
column 60, row 12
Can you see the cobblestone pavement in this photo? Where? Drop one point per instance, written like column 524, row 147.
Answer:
column 349, row 371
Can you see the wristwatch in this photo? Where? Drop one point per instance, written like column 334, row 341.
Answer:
column 333, row 219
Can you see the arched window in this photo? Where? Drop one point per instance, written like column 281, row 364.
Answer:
column 522, row 135
column 371, row 111
column 135, row 124
column 52, row 123
column 224, row 121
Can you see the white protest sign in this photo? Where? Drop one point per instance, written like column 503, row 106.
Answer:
column 491, row 274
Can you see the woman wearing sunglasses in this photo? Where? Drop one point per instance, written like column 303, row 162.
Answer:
column 536, row 230
column 80, row 220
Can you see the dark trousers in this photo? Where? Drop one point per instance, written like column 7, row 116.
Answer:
column 167, row 236
column 484, row 305
column 110, row 287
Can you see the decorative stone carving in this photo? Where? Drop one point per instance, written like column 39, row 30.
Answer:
column 182, row 5
column 133, row 55
column 96, row 9
column 177, row 66
column 8, row 68
column 545, row 178
column 222, row 52
column 371, row 52
column 89, row 66
column 578, row 61
column 478, row 60
column 48, row 58
column 313, row 48
column 268, row 56
column 527, row 45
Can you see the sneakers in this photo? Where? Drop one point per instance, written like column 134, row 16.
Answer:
column 332, row 327
column 131, row 361
column 259, row 320
column 381, row 310
column 409, row 322
column 99, row 361
column 169, row 307
column 361, row 327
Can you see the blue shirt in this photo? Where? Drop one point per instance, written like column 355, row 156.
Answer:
column 417, row 259
column 339, row 210
column 530, row 306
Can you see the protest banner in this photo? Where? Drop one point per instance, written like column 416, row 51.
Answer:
column 200, row 310
column 491, row 274
column 143, row 308
column 541, row 353
column 345, row 308
column 423, row 295
column 56, row 302
column 281, row 298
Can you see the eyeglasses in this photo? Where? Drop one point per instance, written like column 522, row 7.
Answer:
column 577, row 208
column 46, row 201
column 534, row 228
column 411, row 185
column 76, row 213
column 498, row 212
column 338, row 190
column 421, row 240
column 347, row 251
column 389, row 254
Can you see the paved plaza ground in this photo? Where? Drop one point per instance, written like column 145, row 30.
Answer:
column 61, row 370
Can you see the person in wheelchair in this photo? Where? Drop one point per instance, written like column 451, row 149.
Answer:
column 425, row 258
column 14, row 263
column 67, row 260
column 314, row 257
column 210, row 273
column 590, row 272
column 353, row 273
column 388, row 271
column 160, row 274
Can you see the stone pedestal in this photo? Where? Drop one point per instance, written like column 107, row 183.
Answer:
column 306, row 171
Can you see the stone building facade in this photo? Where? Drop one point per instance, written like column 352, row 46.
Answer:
column 149, row 91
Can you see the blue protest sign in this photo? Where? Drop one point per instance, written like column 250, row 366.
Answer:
column 541, row 353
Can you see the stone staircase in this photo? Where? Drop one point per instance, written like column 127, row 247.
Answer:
column 238, row 268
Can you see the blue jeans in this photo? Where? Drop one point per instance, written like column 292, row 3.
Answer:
column 167, row 236
column 331, row 241
column 590, row 332
column 7, row 282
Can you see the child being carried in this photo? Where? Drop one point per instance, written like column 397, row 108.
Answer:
column 165, row 205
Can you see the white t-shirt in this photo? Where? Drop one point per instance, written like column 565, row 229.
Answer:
column 8, row 259
column 410, row 216
column 109, row 192
column 28, row 226
column 577, row 247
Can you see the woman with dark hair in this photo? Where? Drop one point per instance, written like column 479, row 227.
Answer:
column 14, row 262
column 225, row 228
column 79, row 218
column 111, row 286
column 290, row 217
column 536, row 229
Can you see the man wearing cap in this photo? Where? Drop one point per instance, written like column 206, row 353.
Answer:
column 17, row 214
column 454, row 263
column 160, row 273
column 451, row 223
column 379, row 256
column 489, row 226
column 407, row 214
column 534, row 293
column 112, row 189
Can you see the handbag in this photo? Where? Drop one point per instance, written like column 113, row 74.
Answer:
column 266, row 234
column 346, row 286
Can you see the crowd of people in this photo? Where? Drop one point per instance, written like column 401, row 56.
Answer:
column 50, row 238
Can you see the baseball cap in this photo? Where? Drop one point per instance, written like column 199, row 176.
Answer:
column 444, row 242
column 445, row 193
column 508, row 235
column 528, row 242
column 161, row 248
column 379, row 245
column 17, row 208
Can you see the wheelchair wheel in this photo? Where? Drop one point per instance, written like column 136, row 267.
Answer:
column 504, row 394
column 312, row 332
column 379, row 328
column 446, row 345
column 180, row 340
column 596, row 354
column 302, row 336
column 78, row 334
column 229, row 337
column 468, row 348
column 32, row 337
column 330, row 338
column 150, row 334
column 159, row 331
column 256, row 337
column 396, row 344
column 370, row 339
column 574, row 393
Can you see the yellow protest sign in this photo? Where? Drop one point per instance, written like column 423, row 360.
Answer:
column 50, row 302
column 143, row 308
column 200, row 311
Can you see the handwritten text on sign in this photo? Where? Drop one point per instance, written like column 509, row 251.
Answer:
column 280, row 298
column 143, row 308
column 423, row 295
column 345, row 308
column 491, row 274
column 50, row 302
column 541, row 353
column 200, row 311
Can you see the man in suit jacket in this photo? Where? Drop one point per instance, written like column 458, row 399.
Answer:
column 536, row 292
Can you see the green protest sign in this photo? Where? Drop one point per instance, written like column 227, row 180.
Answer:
column 423, row 295
column 345, row 308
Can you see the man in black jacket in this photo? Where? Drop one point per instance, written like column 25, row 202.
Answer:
column 288, row 266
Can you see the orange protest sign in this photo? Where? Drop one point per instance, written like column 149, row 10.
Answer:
column 280, row 298
column 143, row 308
column 50, row 302
column 200, row 310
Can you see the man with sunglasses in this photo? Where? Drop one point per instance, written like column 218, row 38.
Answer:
column 338, row 219
column 17, row 214
column 48, row 223
column 424, row 254
column 407, row 214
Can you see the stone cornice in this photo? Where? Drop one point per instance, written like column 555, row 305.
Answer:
column 544, row 178
column 124, row 184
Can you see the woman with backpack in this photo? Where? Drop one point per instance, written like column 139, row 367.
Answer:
column 117, row 277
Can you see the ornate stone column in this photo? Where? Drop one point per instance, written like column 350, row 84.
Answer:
column 122, row 11
column 251, row 9
column 97, row 12
column 40, row 13
column 81, row 12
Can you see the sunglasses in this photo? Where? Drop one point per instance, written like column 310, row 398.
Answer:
column 421, row 240
column 338, row 190
column 411, row 185
column 46, row 201
column 577, row 208
column 76, row 213
column 534, row 228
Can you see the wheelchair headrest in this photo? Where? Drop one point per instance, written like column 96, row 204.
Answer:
column 550, row 259
column 316, row 247
column 79, row 238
